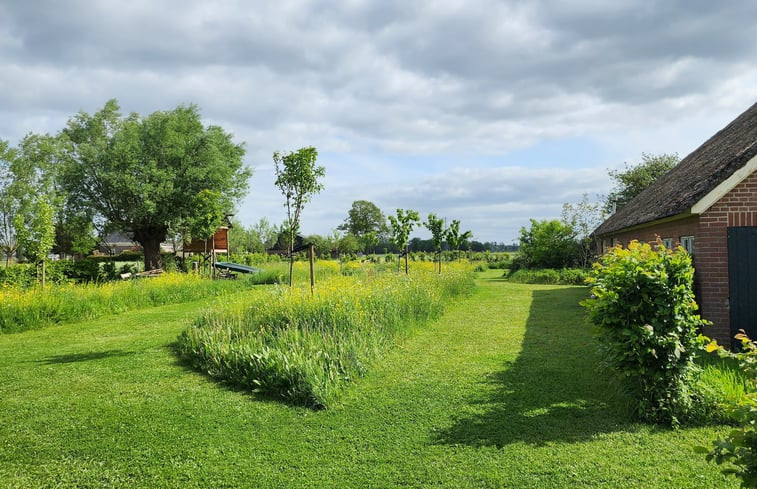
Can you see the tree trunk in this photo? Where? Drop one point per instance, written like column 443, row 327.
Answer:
column 43, row 274
column 150, row 238
column 291, row 266
column 311, row 251
column 407, row 252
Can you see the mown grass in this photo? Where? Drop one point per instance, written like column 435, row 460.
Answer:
column 23, row 309
column 501, row 391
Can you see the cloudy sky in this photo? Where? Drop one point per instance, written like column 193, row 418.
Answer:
column 490, row 112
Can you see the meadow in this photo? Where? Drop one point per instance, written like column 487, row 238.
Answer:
column 500, row 391
column 30, row 308
column 304, row 345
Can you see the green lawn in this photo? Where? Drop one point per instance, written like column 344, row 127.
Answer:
column 501, row 392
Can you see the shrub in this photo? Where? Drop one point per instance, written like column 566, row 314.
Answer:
column 643, row 305
column 566, row 276
column 305, row 348
column 547, row 244
column 738, row 450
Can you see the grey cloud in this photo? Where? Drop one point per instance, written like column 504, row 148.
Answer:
column 393, row 78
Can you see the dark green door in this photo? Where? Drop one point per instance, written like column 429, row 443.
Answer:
column 742, row 279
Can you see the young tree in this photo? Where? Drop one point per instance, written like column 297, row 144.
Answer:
column 143, row 174
column 36, row 231
column 455, row 239
column 297, row 177
column 34, row 172
column 401, row 227
column 436, row 226
column 209, row 214
column 584, row 217
column 635, row 178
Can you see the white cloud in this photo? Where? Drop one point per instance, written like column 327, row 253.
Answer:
column 393, row 92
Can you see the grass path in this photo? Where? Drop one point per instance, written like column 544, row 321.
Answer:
column 501, row 392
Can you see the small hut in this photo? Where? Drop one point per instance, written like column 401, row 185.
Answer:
column 209, row 248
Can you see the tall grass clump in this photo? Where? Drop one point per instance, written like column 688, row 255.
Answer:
column 278, row 272
column 23, row 309
column 305, row 347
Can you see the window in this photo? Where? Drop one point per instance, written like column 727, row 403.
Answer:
column 688, row 243
column 667, row 243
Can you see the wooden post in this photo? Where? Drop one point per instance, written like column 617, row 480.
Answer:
column 311, row 250
column 43, row 274
column 213, row 259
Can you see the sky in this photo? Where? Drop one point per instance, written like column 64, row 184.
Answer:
column 490, row 112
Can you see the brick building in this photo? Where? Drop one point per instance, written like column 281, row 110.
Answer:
column 708, row 205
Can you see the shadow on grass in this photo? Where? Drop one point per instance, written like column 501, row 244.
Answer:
column 552, row 392
column 85, row 357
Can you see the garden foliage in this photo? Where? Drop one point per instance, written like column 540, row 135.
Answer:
column 23, row 309
column 547, row 244
column 738, row 450
column 550, row 276
column 304, row 348
column 643, row 304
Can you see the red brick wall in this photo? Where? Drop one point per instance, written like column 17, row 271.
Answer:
column 675, row 229
column 737, row 208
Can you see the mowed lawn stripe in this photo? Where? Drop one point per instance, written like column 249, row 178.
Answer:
column 502, row 391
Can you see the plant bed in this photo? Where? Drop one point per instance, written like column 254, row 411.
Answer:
column 305, row 347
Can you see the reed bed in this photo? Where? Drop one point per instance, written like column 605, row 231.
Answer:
column 23, row 309
column 305, row 347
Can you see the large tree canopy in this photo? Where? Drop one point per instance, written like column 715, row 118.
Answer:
column 635, row 178
column 146, row 174
column 364, row 217
column 366, row 222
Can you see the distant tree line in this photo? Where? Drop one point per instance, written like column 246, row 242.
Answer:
column 567, row 242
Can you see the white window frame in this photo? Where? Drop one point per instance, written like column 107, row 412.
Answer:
column 688, row 244
column 667, row 243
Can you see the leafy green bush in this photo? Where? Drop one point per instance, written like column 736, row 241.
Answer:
column 26, row 274
column 547, row 244
column 566, row 276
column 643, row 305
column 304, row 347
column 738, row 450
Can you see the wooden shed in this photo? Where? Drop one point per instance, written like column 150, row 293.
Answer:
column 218, row 243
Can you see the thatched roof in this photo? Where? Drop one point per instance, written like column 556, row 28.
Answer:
column 677, row 191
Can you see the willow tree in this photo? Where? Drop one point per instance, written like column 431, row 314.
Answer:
column 145, row 175
column 297, row 177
